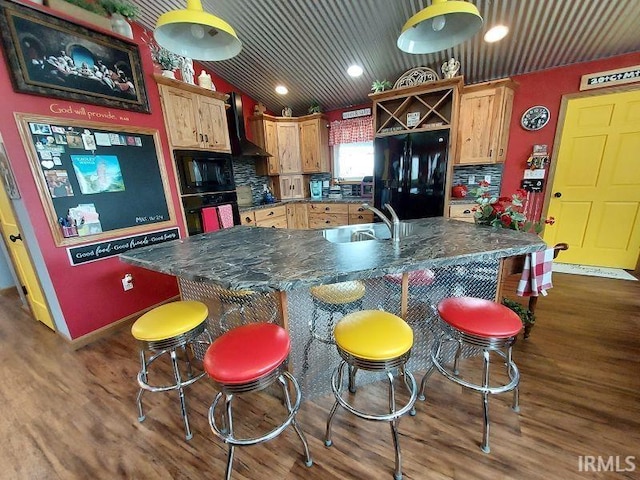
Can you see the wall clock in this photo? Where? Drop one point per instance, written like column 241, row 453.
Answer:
column 535, row 118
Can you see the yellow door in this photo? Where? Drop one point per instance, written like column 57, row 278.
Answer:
column 595, row 197
column 20, row 257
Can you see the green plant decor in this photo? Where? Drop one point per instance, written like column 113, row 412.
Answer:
column 89, row 6
column 315, row 107
column 380, row 86
column 526, row 315
column 163, row 57
column 124, row 8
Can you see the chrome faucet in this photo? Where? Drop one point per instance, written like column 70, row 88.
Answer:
column 393, row 224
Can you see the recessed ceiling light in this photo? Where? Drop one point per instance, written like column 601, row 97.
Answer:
column 496, row 33
column 354, row 70
column 282, row 90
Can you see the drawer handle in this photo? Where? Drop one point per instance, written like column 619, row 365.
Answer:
column 201, row 138
column 361, row 209
column 326, row 209
column 273, row 226
column 360, row 217
column 467, row 211
column 248, row 219
column 327, row 221
column 270, row 213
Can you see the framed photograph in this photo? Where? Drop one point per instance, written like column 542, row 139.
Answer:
column 55, row 58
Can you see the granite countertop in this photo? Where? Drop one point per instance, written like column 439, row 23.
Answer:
column 351, row 199
column 267, row 259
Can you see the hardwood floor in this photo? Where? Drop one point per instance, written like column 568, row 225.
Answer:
column 71, row 414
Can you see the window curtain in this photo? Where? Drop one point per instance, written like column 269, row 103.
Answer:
column 351, row 131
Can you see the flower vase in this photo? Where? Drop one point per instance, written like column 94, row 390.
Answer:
column 120, row 25
column 169, row 74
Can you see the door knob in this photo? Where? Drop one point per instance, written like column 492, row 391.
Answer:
column 557, row 194
column 15, row 238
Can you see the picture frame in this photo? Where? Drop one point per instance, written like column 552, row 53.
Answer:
column 52, row 57
column 6, row 174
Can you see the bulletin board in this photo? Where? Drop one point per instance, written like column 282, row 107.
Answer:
column 96, row 180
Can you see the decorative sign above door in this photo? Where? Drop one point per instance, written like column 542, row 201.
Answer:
column 610, row 78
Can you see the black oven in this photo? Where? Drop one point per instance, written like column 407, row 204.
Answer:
column 204, row 172
column 194, row 204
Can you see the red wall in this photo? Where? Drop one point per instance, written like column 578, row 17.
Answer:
column 546, row 88
column 91, row 295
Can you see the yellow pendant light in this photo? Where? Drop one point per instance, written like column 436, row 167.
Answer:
column 196, row 34
column 442, row 25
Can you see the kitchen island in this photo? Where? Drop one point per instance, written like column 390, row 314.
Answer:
column 279, row 266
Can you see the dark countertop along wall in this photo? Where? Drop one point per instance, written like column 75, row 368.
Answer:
column 267, row 259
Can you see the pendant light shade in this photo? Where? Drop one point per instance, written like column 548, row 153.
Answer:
column 196, row 34
column 442, row 25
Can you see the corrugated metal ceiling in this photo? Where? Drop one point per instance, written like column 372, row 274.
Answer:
column 308, row 44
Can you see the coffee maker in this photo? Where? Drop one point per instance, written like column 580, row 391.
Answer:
column 315, row 186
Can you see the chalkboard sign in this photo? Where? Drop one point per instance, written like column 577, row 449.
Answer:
column 96, row 179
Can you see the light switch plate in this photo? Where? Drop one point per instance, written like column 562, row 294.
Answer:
column 472, row 180
column 487, row 178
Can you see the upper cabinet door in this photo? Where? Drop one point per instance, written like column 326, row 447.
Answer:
column 485, row 115
column 213, row 118
column 289, row 147
column 181, row 115
column 314, row 145
column 271, row 146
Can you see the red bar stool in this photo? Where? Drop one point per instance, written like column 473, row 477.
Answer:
column 163, row 330
column 374, row 341
column 481, row 324
column 247, row 359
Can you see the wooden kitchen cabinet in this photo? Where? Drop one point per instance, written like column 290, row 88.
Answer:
column 297, row 216
column 274, row 217
column 358, row 214
column 289, row 187
column 326, row 215
column 288, row 147
column 314, row 144
column 462, row 211
column 485, row 116
column 195, row 118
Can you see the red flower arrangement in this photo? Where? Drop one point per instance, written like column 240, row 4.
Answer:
column 505, row 212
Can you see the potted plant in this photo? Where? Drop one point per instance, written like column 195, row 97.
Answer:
column 527, row 317
column 167, row 60
column 120, row 11
column 314, row 107
column 380, row 86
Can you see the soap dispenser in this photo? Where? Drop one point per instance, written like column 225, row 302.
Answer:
column 267, row 195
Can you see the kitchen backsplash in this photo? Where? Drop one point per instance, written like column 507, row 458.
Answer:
column 461, row 176
column 244, row 173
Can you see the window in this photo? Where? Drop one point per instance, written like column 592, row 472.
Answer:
column 352, row 161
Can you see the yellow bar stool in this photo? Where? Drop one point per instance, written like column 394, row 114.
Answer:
column 164, row 330
column 374, row 341
column 336, row 298
column 239, row 308
column 484, row 325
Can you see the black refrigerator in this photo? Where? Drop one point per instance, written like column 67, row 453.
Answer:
column 410, row 173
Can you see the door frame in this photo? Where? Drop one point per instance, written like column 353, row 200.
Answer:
column 562, row 114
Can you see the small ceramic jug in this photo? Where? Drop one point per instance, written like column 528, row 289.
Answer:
column 204, row 80
column 287, row 112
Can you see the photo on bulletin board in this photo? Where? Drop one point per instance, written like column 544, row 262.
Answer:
column 98, row 184
column 49, row 56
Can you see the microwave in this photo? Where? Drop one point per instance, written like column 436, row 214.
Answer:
column 204, row 172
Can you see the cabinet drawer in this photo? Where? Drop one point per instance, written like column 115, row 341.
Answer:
column 357, row 209
column 355, row 218
column 326, row 220
column 339, row 208
column 273, row 222
column 462, row 212
column 247, row 218
column 267, row 213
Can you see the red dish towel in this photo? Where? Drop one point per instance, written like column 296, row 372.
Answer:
column 226, row 216
column 536, row 275
column 210, row 221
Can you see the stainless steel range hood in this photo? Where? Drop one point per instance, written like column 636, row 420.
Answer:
column 240, row 146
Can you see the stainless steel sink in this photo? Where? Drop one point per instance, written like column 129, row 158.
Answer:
column 364, row 232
